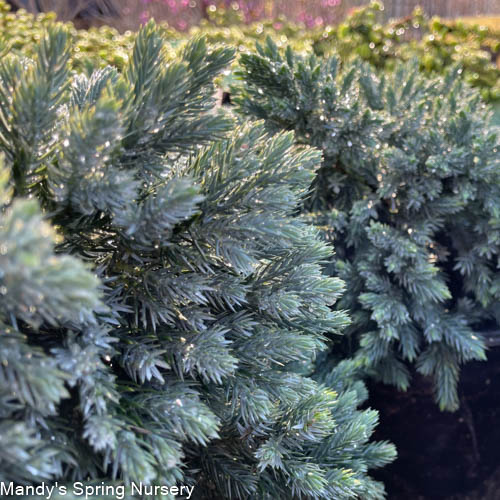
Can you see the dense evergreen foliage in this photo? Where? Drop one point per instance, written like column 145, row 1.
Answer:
column 409, row 192
column 163, row 329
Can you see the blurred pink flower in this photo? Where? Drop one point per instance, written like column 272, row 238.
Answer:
column 311, row 14
column 173, row 5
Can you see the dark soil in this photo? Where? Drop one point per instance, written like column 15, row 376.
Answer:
column 442, row 455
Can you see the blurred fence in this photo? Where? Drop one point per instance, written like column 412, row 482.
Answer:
column 443, row 8
column 129, row 14
column 393, row 8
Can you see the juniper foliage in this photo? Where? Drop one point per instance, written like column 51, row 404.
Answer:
column 409, row 194
column 163, row 332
